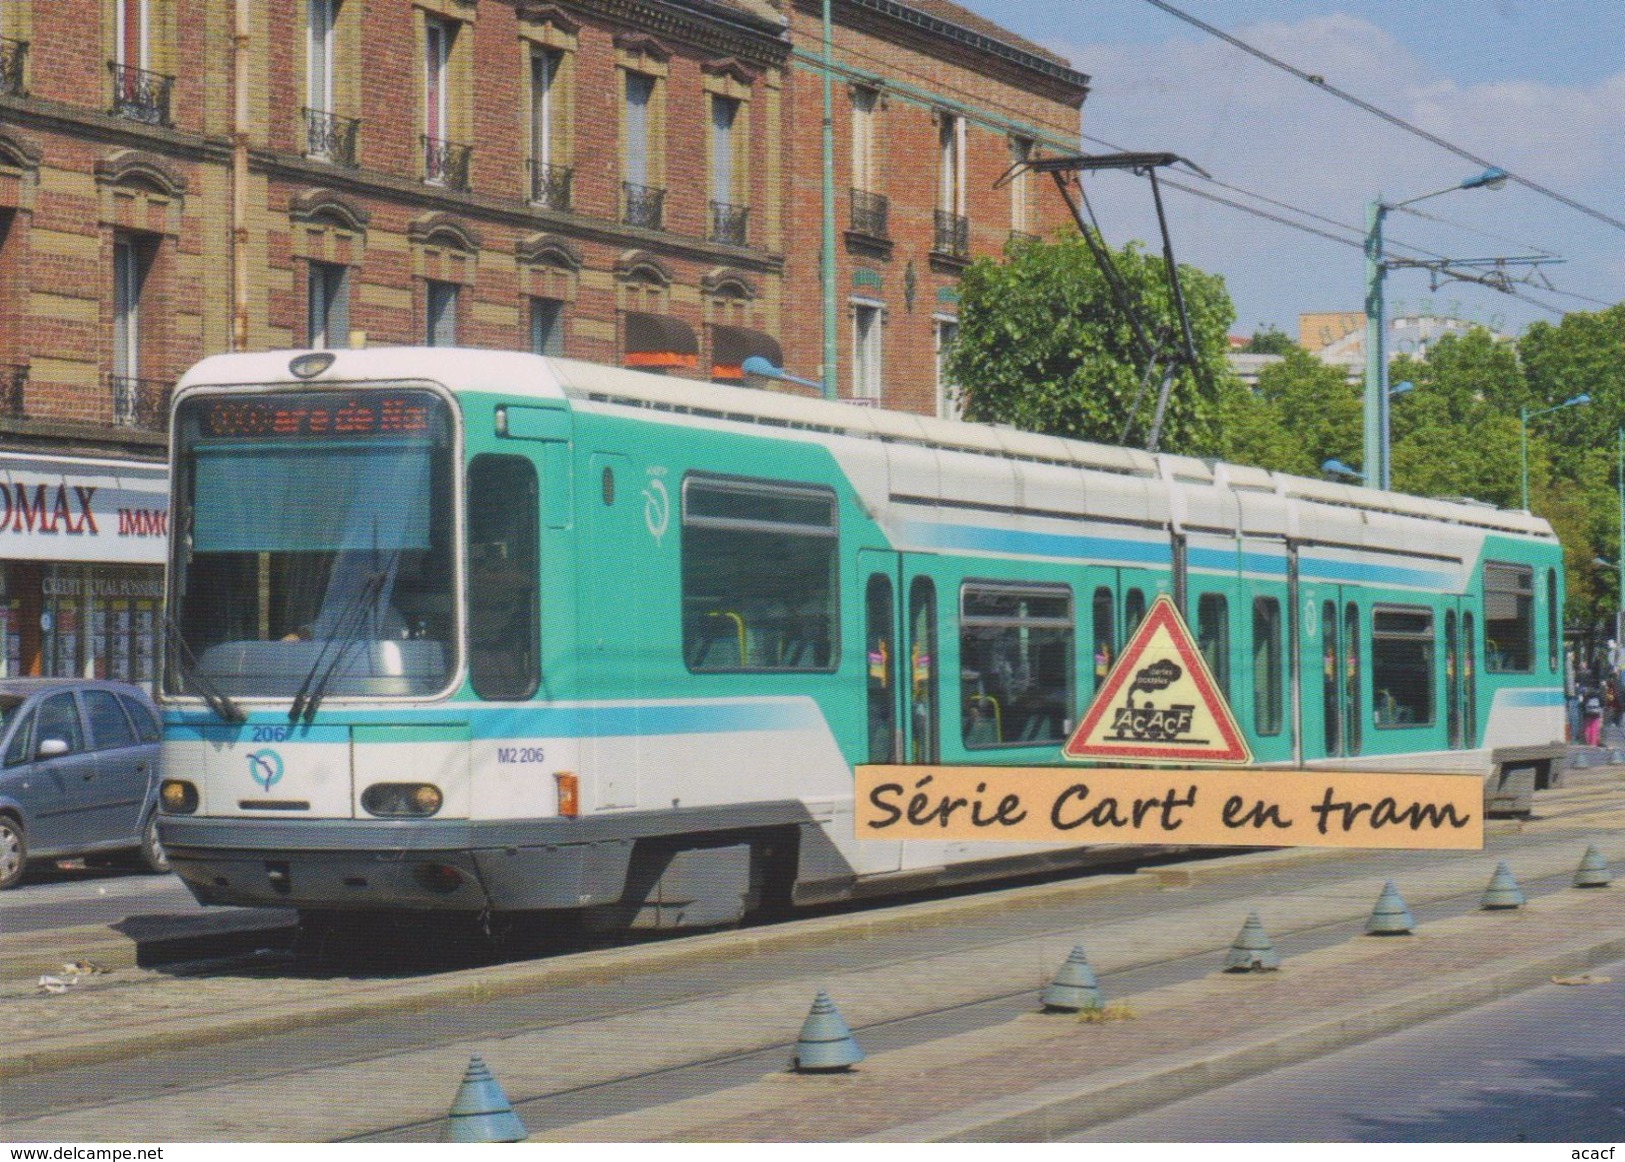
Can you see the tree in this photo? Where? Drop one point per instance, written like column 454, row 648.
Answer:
column 1043, row 346
column 1302, row 414
column 1457, row 433
column 1270, row 341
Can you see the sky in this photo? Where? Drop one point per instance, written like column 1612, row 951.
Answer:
column 1536, row 87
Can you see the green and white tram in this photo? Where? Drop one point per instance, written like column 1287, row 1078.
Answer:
column 480, row 632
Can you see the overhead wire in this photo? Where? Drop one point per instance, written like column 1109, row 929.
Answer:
column 1321, row 83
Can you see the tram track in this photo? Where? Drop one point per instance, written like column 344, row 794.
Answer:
column 546, row 1111
column 882, row 948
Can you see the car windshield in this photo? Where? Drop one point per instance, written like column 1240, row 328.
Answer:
column 315, row 544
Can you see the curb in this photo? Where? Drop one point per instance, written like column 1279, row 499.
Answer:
column 1058, row 1110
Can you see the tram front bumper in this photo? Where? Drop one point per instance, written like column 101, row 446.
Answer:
column 345, row 865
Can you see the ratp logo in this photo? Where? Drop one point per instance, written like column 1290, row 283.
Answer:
column 265, row 768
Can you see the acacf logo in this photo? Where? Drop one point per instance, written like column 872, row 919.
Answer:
column 265, row 767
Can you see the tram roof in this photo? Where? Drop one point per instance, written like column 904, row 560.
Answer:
column 549, row 377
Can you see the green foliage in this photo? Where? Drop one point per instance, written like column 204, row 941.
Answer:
column 1043, row 346
column 1270, row 341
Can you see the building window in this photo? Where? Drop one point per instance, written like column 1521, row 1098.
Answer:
column 864, row 103
column 445, row 162
column 134, row 31
column 132, row 262
column 643, row 200
column 951, row 164
column 440, row 328
column 1021, row 219
column 328, row 305
column 436, row 64
column 948, row 406
column 547, row 326
column 319, row 86
column 867, row 324
column 759, row 576
column 139, row 93
column 728, row 216
column 549, row 176
column 1015, row 658
column 328, row 136
column 1402, row 666
column 1509, row 619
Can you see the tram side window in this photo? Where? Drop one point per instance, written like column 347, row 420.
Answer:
column 882, row 664
column 1104, row 636
column 759, row 563
column 503, row 578
column 1267, row 682
column 1554, row 624
column 1133, row 612
column 1213, row 636
column 1402, row 666
column 1015, row 656
column 1509, row 618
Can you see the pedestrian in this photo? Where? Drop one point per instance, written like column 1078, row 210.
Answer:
column 1614, row 699
column 1591, row 711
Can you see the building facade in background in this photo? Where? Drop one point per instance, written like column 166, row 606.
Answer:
column 1338, row 337
column 636, row 182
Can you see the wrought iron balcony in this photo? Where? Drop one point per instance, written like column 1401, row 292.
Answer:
column 550, row 184
column 140, row 95
column 13, row 380
column 445, row 163
column 952, row 238
column 869, row 212
column 13, row 54
column 139, row 403
column 729, row 222
column 330, row 137
column 645, row 206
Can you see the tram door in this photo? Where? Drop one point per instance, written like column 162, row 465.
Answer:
column 1332, row 627
column 1118, row 602
column 902, row 660
column 612, row 623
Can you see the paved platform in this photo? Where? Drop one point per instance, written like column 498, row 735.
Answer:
column 1029, row 1078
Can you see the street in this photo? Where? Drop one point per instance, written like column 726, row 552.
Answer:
column 1546, row 1065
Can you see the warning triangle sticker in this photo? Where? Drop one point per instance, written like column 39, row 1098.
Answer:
column 1160, row 703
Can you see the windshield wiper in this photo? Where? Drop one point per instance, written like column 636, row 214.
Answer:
column 347, row 631
column 181, row 657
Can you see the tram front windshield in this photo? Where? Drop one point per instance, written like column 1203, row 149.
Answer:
column 312, row 545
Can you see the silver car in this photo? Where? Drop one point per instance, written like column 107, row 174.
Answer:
column 78, row 773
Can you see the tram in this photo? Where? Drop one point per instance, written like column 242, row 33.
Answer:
column 459, row 631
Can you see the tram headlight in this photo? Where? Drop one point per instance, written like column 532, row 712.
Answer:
column 177, row 797
column 402, row 800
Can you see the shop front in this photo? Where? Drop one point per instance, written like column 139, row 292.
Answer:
column 82, row 545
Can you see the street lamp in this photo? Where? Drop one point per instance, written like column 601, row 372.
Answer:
column 1376, row 323
column 1524, row 416
column 1338, row 468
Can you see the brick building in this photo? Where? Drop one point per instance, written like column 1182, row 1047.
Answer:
column 627, row 181
column 932, row 105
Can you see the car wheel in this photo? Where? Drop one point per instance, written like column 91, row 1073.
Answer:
column 151, row 853
column 13, row 852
